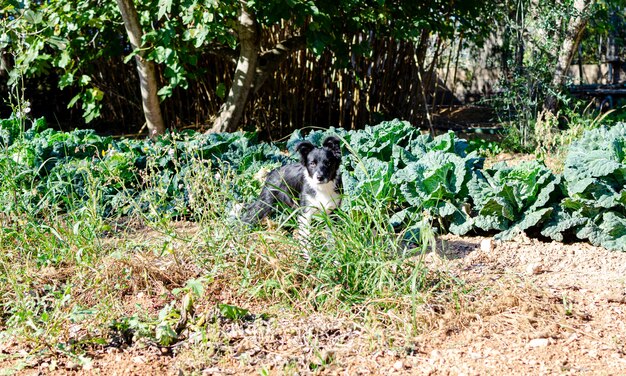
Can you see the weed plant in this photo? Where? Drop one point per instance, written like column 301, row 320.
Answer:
column 553, row 138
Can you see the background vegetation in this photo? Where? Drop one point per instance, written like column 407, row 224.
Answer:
column 344, row 64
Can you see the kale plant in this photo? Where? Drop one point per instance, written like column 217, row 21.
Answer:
column 595, row 179
column 513, row 199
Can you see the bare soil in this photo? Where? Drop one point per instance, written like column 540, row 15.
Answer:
column 565, row 313
column 524, row 307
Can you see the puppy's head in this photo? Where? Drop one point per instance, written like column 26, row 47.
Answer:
column 322, row 163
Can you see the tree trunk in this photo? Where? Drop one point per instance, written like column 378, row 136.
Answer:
column 245, row 73
column 145, row 69
column 575, row 28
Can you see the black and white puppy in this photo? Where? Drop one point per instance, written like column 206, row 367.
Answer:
column 314, row 184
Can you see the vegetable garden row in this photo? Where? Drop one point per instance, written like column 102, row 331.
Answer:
column 414, row 175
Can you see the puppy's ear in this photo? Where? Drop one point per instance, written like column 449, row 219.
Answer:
column 334, row 145
column 304, row 148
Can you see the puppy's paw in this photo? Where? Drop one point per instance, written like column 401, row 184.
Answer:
column 305, row 254
column 235, row 211
column 305, row 244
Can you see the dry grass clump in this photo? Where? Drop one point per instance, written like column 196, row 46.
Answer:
column 496, row 309
column 146, row 272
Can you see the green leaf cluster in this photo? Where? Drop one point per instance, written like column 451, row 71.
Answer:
column 62, row 170
column 78, row 39
column 415, row 174
column 595, row 180
column 513, row 199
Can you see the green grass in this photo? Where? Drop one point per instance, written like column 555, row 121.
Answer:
column 72, row 279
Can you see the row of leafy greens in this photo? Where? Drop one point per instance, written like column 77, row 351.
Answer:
column 415, row 176
column 437, row 178
column 46, row 170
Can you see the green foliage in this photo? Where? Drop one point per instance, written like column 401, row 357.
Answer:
column 10, row 129
column 232, row 312
column 434, row 183
column 74, row 39
column 513, row 199
column 595, row 176
column 412, row 176
column 65, row 38
column 367, row 257
column 61, row 170
column 533, row 33
column 484, row 148
column 434, row 177
column 520, row 102
column 379, row 141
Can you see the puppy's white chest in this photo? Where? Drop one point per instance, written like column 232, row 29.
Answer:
column 326, row 197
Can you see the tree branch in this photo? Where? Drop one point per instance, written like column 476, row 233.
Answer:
column 270, row 60
column 223, row 51
column 575, row 28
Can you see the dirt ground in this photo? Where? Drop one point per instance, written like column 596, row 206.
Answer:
column 566, row 315
column 527, row 308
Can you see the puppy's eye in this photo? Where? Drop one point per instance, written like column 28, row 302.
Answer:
column 312, row 163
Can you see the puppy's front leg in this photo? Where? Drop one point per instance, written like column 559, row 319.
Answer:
column 304, row 230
